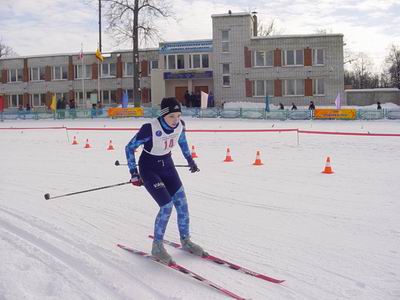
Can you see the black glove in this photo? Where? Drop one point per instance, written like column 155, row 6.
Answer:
column 193, row 167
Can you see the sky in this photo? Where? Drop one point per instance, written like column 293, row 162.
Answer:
column 61, row 26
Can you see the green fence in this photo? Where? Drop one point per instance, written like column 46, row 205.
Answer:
column 239, row 113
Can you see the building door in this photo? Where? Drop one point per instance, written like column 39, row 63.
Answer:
column 180, row 93
column 199, row 89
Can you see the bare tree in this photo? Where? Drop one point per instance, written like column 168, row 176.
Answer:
column 362, row 70
column 361, row 76
column 6, row 50
column 268, row 29
column 393, row 62
column 384, row 80
column 134, row 20
column 348, row 55
column 323, row 31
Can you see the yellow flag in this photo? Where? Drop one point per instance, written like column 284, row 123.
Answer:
column 53, row 104
column 99, row 56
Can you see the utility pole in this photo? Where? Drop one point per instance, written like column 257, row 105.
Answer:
column 100, row 25
column 98, row 64
column 135, row 41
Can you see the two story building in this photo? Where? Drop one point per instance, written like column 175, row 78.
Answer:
column 235, row 65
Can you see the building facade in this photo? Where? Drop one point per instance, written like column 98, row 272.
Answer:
column 235, row 65
column 292, row 68
column 35, row 80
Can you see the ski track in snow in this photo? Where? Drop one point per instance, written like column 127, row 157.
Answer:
column 61, row 262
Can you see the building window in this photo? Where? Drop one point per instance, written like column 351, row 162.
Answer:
column 171, row 62
column 263, row 58
column 259, row 58
column 108, row 70
column 113, row 96
column 293, row 58
column 78, row 71
column 319, row 87
column 225, row 40
column 197, row 61
column 128, row 69
column 175, row 61
column 180, row 61
column 60, row 73
column 318, row 57
column 259, row 88
column 106, row 97
column 37, row 74
column 205, row 61
column 153, row 65
column 130, row 94
column 15, row 100
column 294, row 87
column 61, row 96
column 78, row 96
column 87, row 73
column 38, row 100
column 226, row 77
column 88, row 70
column 263, row 88
column 15, row 75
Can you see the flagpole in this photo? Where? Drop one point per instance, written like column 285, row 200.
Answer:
column 99, row 56
column 83, row 76
column 98, row 81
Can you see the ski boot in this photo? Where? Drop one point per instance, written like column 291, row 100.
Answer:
column 193, row 248
column 159, row 252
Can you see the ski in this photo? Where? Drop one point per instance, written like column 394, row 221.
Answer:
column 220, row 261
column 183, row 270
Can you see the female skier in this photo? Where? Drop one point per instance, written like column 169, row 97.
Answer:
column 159, row 176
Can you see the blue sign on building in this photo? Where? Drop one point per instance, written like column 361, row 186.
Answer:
column 186, row 47
column 188, row 75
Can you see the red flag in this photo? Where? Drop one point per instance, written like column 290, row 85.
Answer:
column 1, row 104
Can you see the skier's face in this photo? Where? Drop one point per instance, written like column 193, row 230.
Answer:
column 173, row 119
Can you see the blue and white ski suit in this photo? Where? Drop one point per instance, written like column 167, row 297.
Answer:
column 158, row 172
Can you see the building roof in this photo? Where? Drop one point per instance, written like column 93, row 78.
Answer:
column 75, row 53
column 296, row 36
column 231, row 15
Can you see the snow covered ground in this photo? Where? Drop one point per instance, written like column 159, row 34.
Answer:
column 329, row 236
column 247, row 105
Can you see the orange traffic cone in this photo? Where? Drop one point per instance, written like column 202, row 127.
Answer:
column 194, row 155
column 228, row 157
column 87, row 144
column 258, row 162
column 74, row 142
column 110, row 146
column 328, row 169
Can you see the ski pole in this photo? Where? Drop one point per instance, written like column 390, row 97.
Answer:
column 48, row 197
column 117, row 163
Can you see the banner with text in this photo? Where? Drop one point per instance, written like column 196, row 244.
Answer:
column 118, row 112
column 340, row 114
